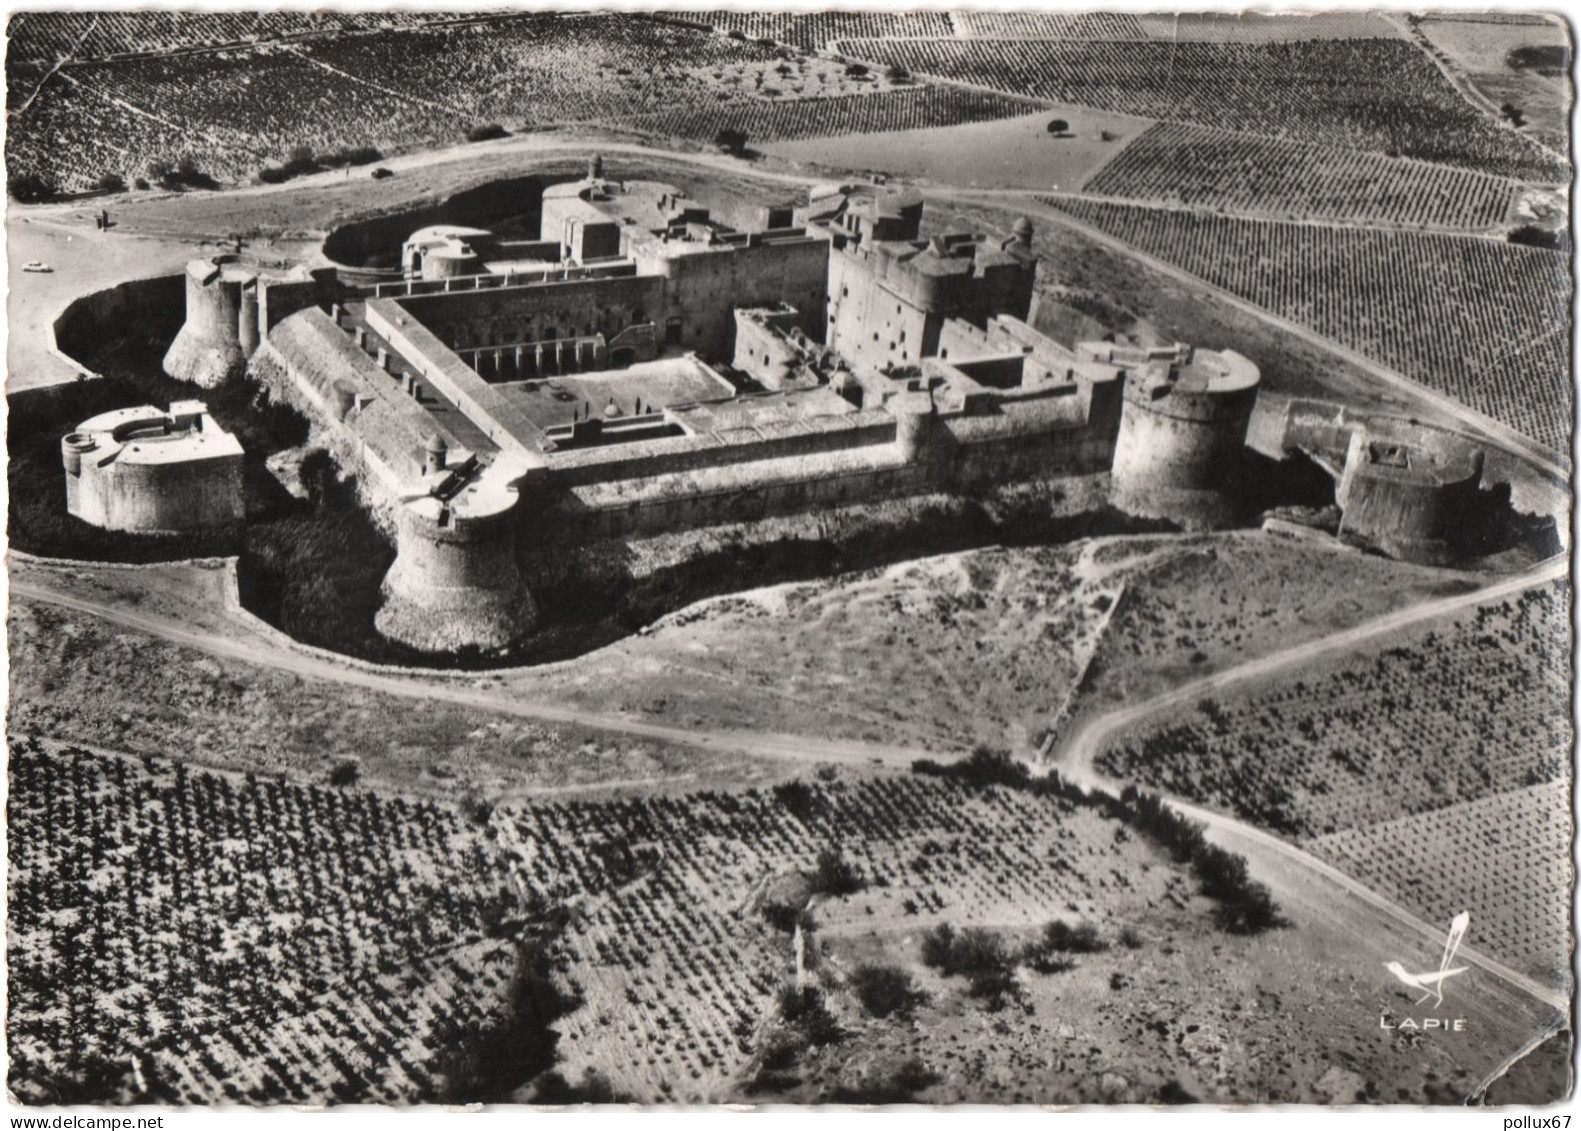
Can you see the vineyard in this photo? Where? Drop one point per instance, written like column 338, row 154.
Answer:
column 1381, row 95
column 668, row 942
column 913, row 108
column 42, row 37
column 236, row 938
column 1485, row 322
column 1476, row 707
column 1050, row 25
column 186, row 936
column 814, row 31
column 1259, row 27
column 1469, row 856
column 1187, row 166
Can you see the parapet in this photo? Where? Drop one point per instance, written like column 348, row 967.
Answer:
column 151, row 472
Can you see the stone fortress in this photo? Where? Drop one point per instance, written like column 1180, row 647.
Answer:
column 643, row 369
column 151, row 472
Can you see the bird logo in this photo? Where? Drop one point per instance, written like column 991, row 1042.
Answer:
column 1432, row 983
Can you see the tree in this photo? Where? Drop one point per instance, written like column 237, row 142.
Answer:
column 1059, row 126
column 897, row 73
column 732, row 140
column 486, row 131
column 111, row 182
column 884, row 990
column 28, row 188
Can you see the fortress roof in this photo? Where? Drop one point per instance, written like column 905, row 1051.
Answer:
column 185, row 434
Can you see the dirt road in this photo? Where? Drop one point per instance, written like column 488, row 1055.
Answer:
column 1288, row 869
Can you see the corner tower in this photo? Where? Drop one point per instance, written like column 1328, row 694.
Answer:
column 1181, row 448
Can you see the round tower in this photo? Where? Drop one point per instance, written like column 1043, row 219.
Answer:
column 1181, row 447
column 1413, row 491
column 455, row 582
column 914, row 420
column 1023, row 233
column 211, row 348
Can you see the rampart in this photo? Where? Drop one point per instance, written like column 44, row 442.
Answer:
column 93, row 322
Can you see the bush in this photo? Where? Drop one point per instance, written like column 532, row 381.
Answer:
column 29, row 188
column 978, row 955
column 898, row 1087
column 344, row 773
column 732, row 140
column 886, row 990
column 487, row 1061
column 380, row 173
column 836, row 875
column 805, row 1010
column 488, row 131
column 1080, row 939
column 938, row 945
column 799, row 799
column 111, row 182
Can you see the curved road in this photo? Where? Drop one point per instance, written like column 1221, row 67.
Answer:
column 1073, row 755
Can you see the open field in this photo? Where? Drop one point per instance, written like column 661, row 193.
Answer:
column 1468, row 856
column 1380, row 95
column 234, row 111
column 1466, row 709
column 1484, row 321
column 900, row 108
column 1479, row 46
column 1192, row 606
column 1188, row 166
column 816, row 30
column 1014, row 152
column 77, row 679
column 995, row 645
column 42, row 37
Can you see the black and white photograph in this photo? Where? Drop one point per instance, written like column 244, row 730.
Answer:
column 784, row 557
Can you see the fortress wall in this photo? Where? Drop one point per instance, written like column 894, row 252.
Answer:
column 653, row 458
column 88, row 324
column 160, row 498
column 871, row 326
column 1182, row 442
column 691, row 500
column 1411, row 519
column 313, row 366
column 455, row 582
column 762, row 351
column 703, row 290
column 579, row 307
column 504, row 424
column 278, row 299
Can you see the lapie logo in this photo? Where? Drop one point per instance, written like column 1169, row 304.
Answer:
column 1431, row 982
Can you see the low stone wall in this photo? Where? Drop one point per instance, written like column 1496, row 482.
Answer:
column 155, row 307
